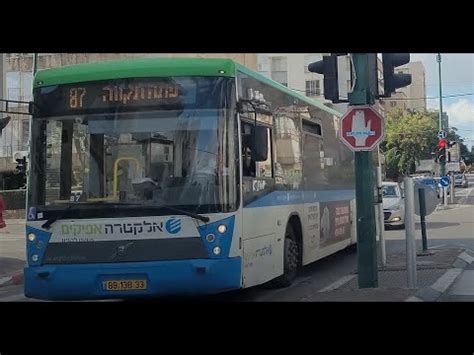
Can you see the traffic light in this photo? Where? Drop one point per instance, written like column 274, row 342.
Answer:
column 441, row 156
column 443, row 144
column 392, row 81
column 328, row 68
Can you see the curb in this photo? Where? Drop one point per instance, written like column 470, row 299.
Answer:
column 14, row 279
column 435, row 291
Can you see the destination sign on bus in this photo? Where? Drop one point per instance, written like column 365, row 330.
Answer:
column 109, row 95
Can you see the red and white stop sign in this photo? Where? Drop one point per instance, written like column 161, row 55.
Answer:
column 361, row 128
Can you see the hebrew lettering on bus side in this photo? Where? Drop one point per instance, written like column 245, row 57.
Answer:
column 116, row 98
column 65, row 229
column 96, row 229
column 107, row 96
column 156, row 226
column 76, row 229
column 172, row 92
column 88, row 228
column 140, row 228
column 127, row 228
column 148, row 224
column 127, row 96
column 149, row 92
column 107, row 226
column 120, row 227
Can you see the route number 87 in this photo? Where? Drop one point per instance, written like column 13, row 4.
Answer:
column 76, row 96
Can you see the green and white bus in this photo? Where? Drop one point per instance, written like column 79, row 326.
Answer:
column 180, row 176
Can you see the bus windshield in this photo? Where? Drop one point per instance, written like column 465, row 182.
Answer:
column 180, row 155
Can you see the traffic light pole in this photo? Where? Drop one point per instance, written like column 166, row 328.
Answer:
column 366, row 235
column 442, row 171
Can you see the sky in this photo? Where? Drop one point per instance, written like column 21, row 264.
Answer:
column 457, row 76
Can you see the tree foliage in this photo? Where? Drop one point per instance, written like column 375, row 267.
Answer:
column 409, row 137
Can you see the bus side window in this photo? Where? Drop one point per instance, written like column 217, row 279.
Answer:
column 247, row 161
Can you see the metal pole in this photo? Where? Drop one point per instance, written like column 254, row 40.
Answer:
column 366, row 238
column 422, row 201
column 410, row 231
column 445, row 196
column 451, row 187
column 442, row 166
column 3, row 77
column 35, row 63
column 383, row 255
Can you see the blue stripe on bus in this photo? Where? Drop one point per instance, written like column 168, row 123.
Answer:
column 281, row 198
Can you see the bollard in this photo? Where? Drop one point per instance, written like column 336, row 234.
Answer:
column 445, row 196
column 424, row 241
column 410, row 231
column 451, row 189
column 381, row 222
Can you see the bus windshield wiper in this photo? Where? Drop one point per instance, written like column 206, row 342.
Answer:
column 180, row 211
column 63, row 213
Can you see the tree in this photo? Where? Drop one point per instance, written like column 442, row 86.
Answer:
column 409, row 137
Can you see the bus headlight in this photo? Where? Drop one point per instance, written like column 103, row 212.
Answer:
column 210, row 237
column 222, row 228
column 216, row 250
column 31, row 237
column 35, row 257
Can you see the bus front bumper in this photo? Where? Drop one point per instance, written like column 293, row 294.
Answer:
column 162, row 278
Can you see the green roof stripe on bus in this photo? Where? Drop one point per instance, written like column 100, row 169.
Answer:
column 159, row 67
column 289, row 91
column 149, row 67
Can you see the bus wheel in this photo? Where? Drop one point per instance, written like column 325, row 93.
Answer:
column 290, row 259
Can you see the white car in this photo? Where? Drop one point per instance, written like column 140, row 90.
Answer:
column 393, row 204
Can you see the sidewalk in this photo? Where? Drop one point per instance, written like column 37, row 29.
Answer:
column 436, row 273
column 462, row 289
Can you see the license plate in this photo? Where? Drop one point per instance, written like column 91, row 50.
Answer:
column 121, row 285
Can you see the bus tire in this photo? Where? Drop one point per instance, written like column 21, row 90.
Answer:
column 290, row 259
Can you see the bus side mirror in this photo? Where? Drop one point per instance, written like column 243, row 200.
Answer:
column 260, row 144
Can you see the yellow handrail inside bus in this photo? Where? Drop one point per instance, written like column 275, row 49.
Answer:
column 115, row 180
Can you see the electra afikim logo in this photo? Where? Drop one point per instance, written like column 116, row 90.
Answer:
column 173, row 225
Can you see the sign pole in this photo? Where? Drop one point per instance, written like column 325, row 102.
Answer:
column 366, row 234
column 422, row 201
column 410, row 231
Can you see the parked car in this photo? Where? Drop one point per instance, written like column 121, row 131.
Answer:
column 460, row 180
column 393, row 204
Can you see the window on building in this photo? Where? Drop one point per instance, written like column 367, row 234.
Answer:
column 279, row 64
column 19, row 86
column 313, row 88
column 279, row 71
